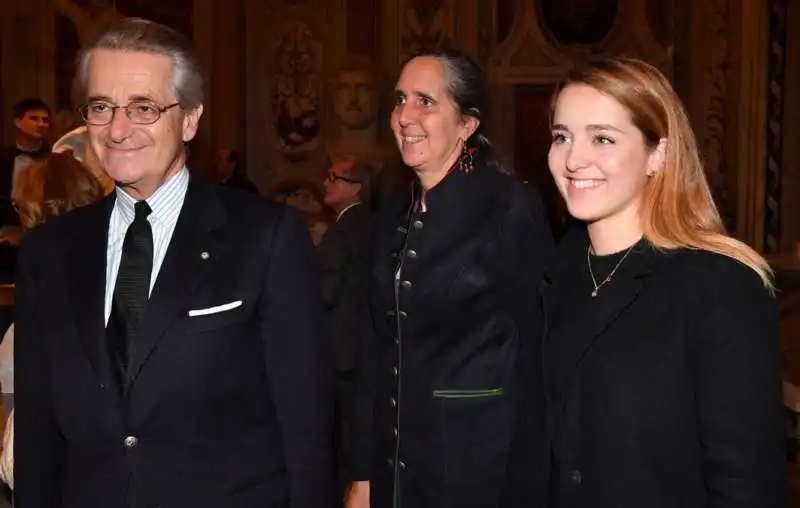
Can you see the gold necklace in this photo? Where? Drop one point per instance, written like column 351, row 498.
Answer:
column 610, row 275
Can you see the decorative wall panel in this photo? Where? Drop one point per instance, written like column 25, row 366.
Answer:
column 774, row 134
column 287, row 60
column 425, row 25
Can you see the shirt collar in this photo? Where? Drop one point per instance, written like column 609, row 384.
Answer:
column 165, row 202
column 351, row 205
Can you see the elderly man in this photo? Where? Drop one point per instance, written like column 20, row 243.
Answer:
column 170, row 339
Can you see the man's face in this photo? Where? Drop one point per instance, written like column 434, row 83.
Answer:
column 34, row 123
column 139, row 157
column 341, row 188
column 223, row 162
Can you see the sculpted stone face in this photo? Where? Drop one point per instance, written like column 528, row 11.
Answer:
column 355, row 101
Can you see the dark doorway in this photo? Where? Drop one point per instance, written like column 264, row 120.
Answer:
column 532, row 144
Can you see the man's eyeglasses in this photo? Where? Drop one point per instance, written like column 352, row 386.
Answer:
column 138, row 112
column 332, row 177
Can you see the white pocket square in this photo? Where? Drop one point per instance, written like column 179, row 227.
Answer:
column 215, row 309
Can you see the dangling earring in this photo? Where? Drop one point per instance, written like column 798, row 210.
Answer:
column 465, row 162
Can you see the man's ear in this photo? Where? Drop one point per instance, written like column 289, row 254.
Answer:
column 191, row 119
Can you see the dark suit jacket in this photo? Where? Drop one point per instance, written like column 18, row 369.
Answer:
column 664, row 390
column 228, row 409
column 343, row 254
column 441, row 375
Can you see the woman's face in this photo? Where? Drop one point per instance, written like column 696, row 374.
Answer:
column 598, row 158
column 427, row 125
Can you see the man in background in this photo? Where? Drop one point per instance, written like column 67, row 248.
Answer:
column 230, row 171
column 344, row 260
column 32, row 121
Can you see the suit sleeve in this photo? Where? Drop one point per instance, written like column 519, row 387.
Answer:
column 738, row 393
column 332, row 256
column 39, row 445
column 298, row 363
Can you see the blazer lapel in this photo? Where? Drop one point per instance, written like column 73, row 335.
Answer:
column 567, row 346
column 85, row 265
column 192, row 253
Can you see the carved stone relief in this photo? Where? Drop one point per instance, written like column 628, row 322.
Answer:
column 287, row 55
column 425, row 25
column 298, row 91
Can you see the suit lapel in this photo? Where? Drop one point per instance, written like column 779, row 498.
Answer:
column 86, row 282
column 192, row 253
column 575, row 336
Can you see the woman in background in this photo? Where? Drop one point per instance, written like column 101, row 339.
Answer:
column 50, row 187
column 458, row 261
column 661, row 356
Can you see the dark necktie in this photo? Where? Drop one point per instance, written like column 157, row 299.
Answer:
column 131, row 292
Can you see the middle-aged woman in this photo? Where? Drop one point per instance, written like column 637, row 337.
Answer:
column 50, row 187
column 458, row 262
column 661, row 356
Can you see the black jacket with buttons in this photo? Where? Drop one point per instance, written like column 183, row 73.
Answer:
column 439, row 386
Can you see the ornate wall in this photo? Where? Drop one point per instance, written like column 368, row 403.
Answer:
column 282, row 74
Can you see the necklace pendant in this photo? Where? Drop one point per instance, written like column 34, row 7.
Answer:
column 594, row 293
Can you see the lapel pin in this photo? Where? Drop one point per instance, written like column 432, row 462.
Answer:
column 204, row 255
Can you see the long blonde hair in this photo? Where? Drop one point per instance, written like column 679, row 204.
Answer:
column 678, row 210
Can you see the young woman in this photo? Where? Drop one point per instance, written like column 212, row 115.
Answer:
column 661, row 355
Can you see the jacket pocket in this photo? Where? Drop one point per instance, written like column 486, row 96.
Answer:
column 467, row 394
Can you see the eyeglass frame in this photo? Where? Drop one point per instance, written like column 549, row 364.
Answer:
column 84, row 112
column 332, row 177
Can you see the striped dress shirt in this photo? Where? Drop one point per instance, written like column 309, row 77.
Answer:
column 165, row 203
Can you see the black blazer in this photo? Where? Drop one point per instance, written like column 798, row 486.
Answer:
column 227, row 409
column 343, row 255
column 664, row 390
column 440, row 376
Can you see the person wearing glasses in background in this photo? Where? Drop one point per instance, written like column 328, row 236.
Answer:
column 344, row 264
column 170, row 342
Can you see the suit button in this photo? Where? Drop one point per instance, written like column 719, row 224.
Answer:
column 395, row 371
column 394, row 432
column 403, row 314
column 412, row 254
column 391, row 462
column 131, row 442
column 576, row 477
column 418, row 224
column 393, row 402
column 406, row 284
column 401, row 464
